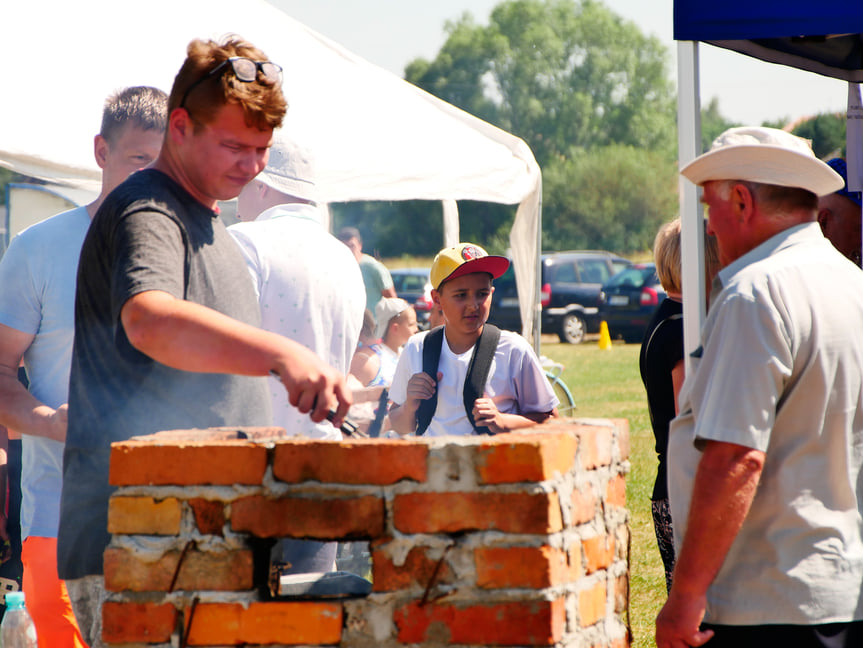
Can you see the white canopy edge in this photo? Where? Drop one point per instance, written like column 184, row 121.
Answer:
column 375, row 136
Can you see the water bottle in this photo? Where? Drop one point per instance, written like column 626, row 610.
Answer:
column 17, row 629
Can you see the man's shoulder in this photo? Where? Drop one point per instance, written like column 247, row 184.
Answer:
column 64, row 224
column 149, row 190
column 368, row 262
column 513, row 340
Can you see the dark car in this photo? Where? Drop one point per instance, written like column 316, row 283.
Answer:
column 414, row 286
column 629, row 300
column 570, row 286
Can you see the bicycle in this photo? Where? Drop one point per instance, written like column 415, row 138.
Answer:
column 553, row 370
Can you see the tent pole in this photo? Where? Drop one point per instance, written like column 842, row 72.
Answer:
column 537, row 307
column 692, row 222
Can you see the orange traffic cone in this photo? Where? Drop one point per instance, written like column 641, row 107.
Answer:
column 604, row 337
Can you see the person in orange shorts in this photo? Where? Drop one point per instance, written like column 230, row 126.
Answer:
column 37, row 296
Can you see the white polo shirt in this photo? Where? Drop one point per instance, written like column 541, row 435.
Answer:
column 781, row 371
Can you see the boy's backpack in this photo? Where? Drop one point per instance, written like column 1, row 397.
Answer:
column 474, row 382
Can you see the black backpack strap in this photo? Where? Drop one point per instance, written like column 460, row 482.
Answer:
column 432, row 344
column 477, row 371
column 377, row 424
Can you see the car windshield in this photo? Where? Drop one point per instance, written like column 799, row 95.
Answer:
column 409, row 282
column 634, row 277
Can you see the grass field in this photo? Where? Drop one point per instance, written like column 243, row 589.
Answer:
column 606, row 384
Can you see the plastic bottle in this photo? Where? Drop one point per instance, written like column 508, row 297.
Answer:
column 17, row 629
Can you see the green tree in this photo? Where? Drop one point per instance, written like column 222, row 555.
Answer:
column 557, row 73
column 827, row 132
column 713, row 123
column 613, row 197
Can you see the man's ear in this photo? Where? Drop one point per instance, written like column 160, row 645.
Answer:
column 435, row 295
column 742, row 202
column 823, row 218
column 180, row 125
column 100, row 151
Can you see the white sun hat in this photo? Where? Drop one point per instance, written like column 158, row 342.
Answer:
column 764, row 155
column 291, row 168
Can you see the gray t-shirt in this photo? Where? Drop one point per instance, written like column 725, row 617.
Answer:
column 150, row 234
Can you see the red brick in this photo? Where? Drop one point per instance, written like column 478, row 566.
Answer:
column 137, row 622
column 531, row 567
column 529, row 457
column 144, row 515
column 615, row 491
column 622, row 540
column 575, row 565
column 287, row 623
column 623, row 442
column 591, row 605
column 187, row 463
column 523, row 623
column 417, row 571
column 466, row 511
column 595, row 446
column 598, row 552
column 583, row 504
column 621, row 593
column 298, row 517
column 222, row 571
column 209, row 516
column 364, row 461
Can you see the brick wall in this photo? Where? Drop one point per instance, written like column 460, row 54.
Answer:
column 513, row 540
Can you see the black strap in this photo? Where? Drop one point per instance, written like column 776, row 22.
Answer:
column 431, row 357
column 474, row 383
column 377, row 424
column 477, row 372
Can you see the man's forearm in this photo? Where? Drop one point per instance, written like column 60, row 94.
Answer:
column 22, row 412
column 725, row 485
column 191, row 337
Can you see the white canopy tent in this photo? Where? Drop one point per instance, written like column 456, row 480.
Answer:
column 375, row 136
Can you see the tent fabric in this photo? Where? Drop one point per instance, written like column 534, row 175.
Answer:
column 375, row 136
column 822, row 37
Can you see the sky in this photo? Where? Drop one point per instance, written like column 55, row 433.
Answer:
column 391, row 33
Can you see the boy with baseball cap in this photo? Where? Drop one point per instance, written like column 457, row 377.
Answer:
column 477, row 379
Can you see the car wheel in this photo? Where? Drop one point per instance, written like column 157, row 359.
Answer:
column 572, row 329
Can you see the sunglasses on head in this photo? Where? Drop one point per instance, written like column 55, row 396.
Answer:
column 244, row 69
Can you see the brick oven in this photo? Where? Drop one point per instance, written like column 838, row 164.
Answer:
column 513, row 540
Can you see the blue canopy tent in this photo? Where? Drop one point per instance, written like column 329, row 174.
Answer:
column 824, row 37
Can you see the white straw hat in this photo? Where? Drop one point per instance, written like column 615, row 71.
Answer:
column 764, row 155
column 290, row 169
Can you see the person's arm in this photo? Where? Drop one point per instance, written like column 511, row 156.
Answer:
column 365, row 365
column 403, row 417
column 19, row 409
column 678, row 374
column 389, row 292
column 725, row 484
column 191, row 337
column 5, row 552
column 485, row 413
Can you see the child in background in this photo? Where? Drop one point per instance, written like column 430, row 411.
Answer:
column 374, row 364
column 516, row 392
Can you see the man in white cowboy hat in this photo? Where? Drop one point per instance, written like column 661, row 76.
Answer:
column 765, row 457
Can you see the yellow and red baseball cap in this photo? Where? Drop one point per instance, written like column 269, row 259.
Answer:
column 462, row 259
